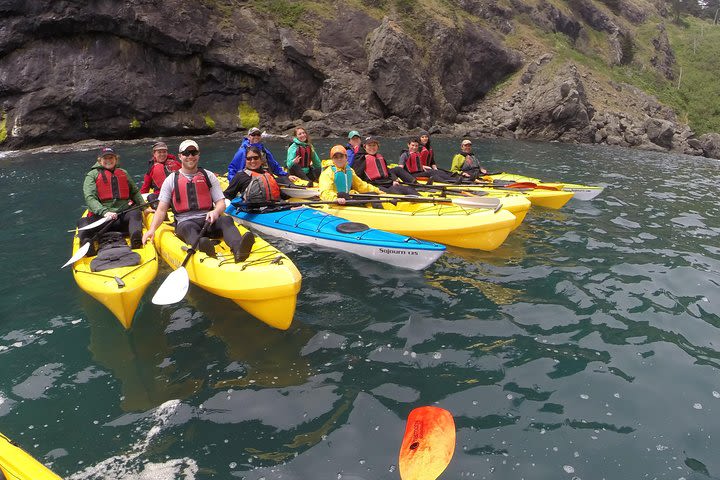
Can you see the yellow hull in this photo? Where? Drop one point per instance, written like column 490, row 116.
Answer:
column 265, row 285
column 479, row 229
column 119, row 289
column 15, row 463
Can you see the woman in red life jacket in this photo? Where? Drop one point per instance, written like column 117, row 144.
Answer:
column 196, row 197
column 160, row 166
column 412, row 161
column 108, row 190
column 371, row 167
column 255, row 184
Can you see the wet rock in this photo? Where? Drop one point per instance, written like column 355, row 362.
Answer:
column 660, row 132
column 710, row 144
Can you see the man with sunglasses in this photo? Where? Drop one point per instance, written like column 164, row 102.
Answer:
column 254, row 139
column 196, row 197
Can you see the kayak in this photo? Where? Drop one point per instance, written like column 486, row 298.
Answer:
column 119, row 289
column 553, row 199
column 310, row 226
column 581, row 192
column 538, row 197
column 474, row 228
column 16, row 463
column 265, row 285
column 515, row 204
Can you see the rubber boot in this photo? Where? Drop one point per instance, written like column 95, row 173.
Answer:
column 242, row 251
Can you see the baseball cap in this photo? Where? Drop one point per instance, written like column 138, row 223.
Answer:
column 371, row 139
column 353, row 133
column 253, row 130
column 186, row 144
column 466, row 142
column 337, row 149
column 159, row 146
column 107, row 151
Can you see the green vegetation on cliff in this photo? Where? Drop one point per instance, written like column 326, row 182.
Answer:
column 3, row 127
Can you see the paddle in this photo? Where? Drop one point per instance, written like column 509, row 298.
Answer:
column 82, row 251
column 102, row 220
column 175, row 286
column 428, row 444
column 472, row 202
column 300, row 192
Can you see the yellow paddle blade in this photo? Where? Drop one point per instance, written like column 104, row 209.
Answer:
column 428, row 444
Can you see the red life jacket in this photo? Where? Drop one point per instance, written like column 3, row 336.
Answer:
column 262, row 188
column 427, row 155
column 375, row 167
column 192, row 194
column 305, row 153
column 414, row 163
column 112, row 185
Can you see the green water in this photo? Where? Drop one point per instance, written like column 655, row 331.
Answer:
column 584, row 347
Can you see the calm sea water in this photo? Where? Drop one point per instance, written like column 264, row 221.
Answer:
column 585, row 347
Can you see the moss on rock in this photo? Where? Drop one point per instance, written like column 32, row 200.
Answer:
column 248, row 116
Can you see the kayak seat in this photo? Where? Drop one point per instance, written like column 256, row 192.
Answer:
column 114, row 252
column 351, row 227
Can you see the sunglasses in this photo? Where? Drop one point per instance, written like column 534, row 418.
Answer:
column 255, row 135
column 252, row 157
column 190, row 153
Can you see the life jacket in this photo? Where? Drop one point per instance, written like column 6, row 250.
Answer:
column 112, row 185
column 305, row 153
column 159, row 171
column 414, row 163
column 342, row 180
column 429, row 155
column 192, row 194
column 375, row 167
column 474, row 162
column 262, row 188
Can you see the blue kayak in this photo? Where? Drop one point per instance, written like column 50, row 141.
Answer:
column 309, row 226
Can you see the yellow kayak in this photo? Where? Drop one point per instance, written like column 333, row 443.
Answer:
column 119, row 289
column 474, row 228
column 16, row 463
column 515, row 204
column 538, row 197
column 581, row 192
column 265, row 285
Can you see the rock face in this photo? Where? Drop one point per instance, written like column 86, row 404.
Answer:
column 73, row 70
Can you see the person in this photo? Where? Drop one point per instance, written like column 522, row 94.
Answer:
column 254, row 138
column 353, row 146
column 466, row 163
column 108, row 189
column 337, row 181
column 411, row 161
column 159, row 167
column 302, row 159
column 427, row 155
column 371, row 167
column 195, row 196
column 255, row 184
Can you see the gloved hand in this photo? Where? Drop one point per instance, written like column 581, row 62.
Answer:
column 343, row 195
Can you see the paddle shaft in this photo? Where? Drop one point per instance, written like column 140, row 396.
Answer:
column 194, row 247
column 134, row 207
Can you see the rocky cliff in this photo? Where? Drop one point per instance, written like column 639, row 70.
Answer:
column 71, row 70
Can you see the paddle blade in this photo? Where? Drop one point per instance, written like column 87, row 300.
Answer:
column 428, row 444
column 476, row 202
column 90, row 226
column 81, row 252
column 173, row 289
column 300, row 192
